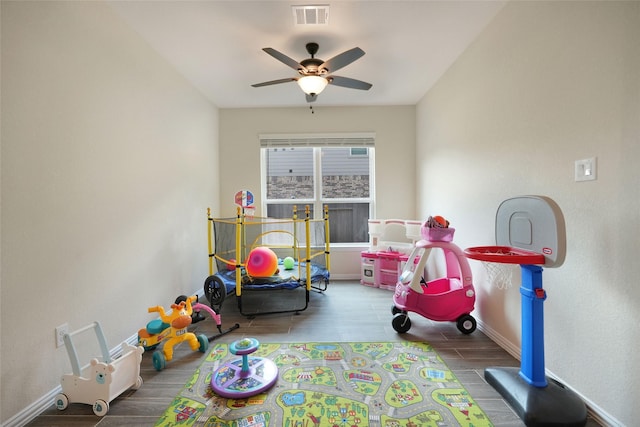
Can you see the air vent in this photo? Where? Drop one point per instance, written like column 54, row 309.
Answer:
column 309, row 14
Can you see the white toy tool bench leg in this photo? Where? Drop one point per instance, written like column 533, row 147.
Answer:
column 530, row 232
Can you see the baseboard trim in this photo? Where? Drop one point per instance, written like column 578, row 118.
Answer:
column 32, row 411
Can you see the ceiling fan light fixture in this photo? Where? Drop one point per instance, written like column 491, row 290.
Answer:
column 312, row 85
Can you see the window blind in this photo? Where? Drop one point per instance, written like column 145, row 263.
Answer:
column 352, row 140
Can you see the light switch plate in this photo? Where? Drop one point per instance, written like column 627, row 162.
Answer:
column 586, row 169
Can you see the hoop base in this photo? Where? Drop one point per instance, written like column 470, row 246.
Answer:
column 553, row 405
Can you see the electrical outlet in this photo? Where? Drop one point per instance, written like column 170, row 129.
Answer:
column 61, row 331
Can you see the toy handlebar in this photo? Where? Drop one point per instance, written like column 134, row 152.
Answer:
column 157, row 308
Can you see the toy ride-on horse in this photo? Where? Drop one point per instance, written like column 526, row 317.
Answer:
column 171, row 329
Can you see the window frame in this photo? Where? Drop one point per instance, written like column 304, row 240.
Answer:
column 317, row 142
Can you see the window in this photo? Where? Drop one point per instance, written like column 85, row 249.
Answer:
column 318, row 171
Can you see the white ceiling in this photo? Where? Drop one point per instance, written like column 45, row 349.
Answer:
column 217, row 45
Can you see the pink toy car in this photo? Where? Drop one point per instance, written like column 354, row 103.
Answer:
column 449, row 298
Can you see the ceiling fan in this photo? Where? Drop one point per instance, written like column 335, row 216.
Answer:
column 315, row 74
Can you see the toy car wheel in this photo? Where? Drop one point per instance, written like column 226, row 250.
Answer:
column 395, row 310
column 204, row 343
column 100, row 408
column 215, row 290
column 159, row 362
column 138, row 383
column 401, row 323
column 62, row 401
column 466, row 324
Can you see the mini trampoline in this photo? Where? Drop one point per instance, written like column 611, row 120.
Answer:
column 231, row 240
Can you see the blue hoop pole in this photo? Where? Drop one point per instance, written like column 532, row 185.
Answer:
column 532, row 368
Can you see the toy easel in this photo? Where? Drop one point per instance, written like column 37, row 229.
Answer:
column 530, row 231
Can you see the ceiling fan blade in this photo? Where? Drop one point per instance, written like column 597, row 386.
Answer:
column 274, row 82
column 349, row 83
column 342, row 60
column 285, row 59
column 312, row 98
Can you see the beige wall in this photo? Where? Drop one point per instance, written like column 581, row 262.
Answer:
column 546, row 84
column 109, row 160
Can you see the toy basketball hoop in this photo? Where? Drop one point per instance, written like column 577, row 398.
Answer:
column 244, row 199
column 504, row 255
column 530, row 232
column 496, row 260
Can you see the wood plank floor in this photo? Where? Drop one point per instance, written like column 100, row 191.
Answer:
column 347, row 311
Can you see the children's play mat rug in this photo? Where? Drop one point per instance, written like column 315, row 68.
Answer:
column 400, row 384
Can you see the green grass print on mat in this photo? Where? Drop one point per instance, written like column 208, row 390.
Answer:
column 377, row 384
